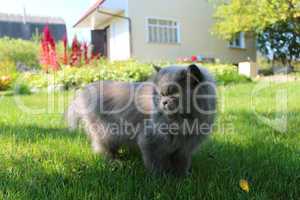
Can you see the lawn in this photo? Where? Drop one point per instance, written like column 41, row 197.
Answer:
column 39, row 159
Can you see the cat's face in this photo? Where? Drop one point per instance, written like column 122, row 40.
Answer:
column 174, row 89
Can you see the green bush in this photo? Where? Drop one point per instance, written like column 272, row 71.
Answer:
column 266, row 72
column 130, row 71
column 120, row 71
column 73, row 77
column 5, row 82
column 17, row 50
column 22, row 89
column 34, row 80
column 229, row 77
column 7, row 67
column 13, row 51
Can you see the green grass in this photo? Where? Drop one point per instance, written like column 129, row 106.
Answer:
column 40, row 160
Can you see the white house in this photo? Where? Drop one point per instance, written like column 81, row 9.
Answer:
column 161, row 30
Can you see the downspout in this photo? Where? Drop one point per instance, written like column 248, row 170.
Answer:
column 130, row 26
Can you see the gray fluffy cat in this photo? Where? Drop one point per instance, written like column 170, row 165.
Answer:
column 166, row 118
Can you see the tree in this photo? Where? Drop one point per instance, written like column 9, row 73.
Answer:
column 280, row 42
column 275, row 22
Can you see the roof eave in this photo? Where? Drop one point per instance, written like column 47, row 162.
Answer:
column 89, row 12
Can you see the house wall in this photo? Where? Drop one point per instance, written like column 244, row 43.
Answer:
column 116, row 5
column 196, row 21
column 118, row 36
column 118, row 40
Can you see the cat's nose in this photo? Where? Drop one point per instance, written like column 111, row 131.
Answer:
column 165, row 103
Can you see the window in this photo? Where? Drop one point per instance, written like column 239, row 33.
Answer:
column 163, row 31
column 238, row 41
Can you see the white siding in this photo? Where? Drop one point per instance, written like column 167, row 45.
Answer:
column 119, row 40
column 116, row 5
column 196, row 21
column 118, row 33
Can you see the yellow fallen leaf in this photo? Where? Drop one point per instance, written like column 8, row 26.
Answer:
column 244, row 185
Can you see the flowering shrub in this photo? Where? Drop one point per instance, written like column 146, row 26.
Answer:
column 194, row 59
column 76, row 53
column 74, row 77
column 187, row 59
column 7, row 67
column 85, row 53
column 49, row 54
column 132, row 71
column 7, row 74
column 65, row 44
column 48, row 51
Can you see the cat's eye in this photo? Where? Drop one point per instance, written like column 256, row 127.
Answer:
column 170, row 91
column 162, row 93
column 176, row 95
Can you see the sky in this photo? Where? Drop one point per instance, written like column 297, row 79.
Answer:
column 69, row 10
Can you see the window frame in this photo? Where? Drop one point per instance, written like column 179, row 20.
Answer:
column 178, row 30
column 242, row 41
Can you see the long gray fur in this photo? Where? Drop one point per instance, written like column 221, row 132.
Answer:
column 138, row 111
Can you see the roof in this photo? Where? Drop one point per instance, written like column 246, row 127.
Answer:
column 90, row 11
column 30, row 19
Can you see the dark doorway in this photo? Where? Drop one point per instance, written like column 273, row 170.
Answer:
column 99, row 41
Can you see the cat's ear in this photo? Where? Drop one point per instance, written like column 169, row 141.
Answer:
column 156, row 68
column 194, row 71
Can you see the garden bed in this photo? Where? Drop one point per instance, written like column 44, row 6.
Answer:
column 28, row 67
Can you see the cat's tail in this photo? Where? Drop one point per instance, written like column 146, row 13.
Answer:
column 72, row 118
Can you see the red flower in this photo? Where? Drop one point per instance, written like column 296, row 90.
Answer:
column 85, row 52
column 65, row 42
column 95, row 56
column 194, row 59
column 76, row 52
column 48, row 51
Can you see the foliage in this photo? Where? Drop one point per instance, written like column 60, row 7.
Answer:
column 22, row 89
column 226, row 74
column 130, row 71
column 5, row 82
column 8, row 74
column 220, row 68
column 231, row 77
column 253, row 15
column 73, row 77
column 266, row 72
column 37, row 37
column 35, row 80
column 276, row 22
column 19, row 51
column 7, row 67
column 281, row 41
